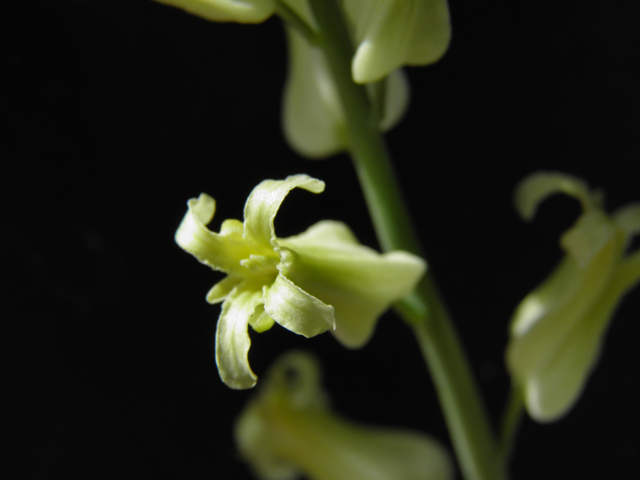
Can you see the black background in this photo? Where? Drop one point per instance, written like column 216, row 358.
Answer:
column 116, row 112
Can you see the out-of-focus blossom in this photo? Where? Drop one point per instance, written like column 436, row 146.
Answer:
column 557, row 330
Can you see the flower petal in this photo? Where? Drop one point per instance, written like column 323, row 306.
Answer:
column 553, row 390
column 538, row 186
column 392, row 33
column 243, row 11
column 262, row 206
column 357, row 281
column 312, row 118
column 296, row 310
column 232, row 337
column 220, row 252
column 545, row 320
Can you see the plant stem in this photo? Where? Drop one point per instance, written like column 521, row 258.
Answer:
column 459, row 397
column 511, row 418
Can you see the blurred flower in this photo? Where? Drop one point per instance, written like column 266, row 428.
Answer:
column 288, row 430
column 387, row 34
column 320, row 280
column 557, row 330
column 313, row 119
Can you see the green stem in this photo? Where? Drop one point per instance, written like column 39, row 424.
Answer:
column 511, row 418
column 289, row 16
column 459, row 397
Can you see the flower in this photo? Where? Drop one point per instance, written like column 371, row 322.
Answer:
column 289, row 430
column 557, row 330
column 320, row 280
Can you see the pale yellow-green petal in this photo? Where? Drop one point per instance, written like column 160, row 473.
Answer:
column 312, row 117
column 221, row 252
column 357, row 281
column 232, row 336
column 288, row 430
column 242, row 11
column 221, row 290
column 392, row 33
column 296, row 310
column 553, row 390
column 535, row 341
column 538, row 186
column 263, row 204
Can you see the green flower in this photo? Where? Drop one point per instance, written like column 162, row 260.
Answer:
column 557, row 330
column 320, row 280
column 289, row 430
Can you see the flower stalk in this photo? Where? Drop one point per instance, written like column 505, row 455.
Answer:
column 471, row 434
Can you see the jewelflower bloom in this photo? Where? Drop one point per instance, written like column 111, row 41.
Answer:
column 288, row 430
column 557, row 330
column 322, row 279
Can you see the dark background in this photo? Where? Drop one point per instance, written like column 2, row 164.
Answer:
column 118, row 111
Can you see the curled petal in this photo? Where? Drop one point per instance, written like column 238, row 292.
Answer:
column 242, row 11
column 392, row 33
column 289, row 430
column 232, row 337
column 220, row 252
column 357, row 281
column 263, row 204
column 540, row 185
column 296, row 310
